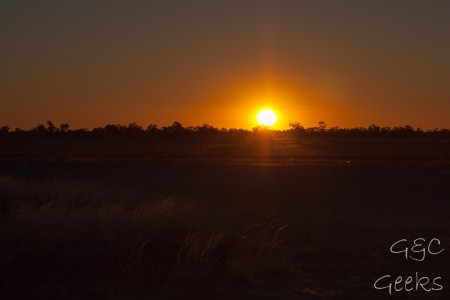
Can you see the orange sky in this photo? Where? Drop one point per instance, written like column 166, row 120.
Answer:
column 348, row 64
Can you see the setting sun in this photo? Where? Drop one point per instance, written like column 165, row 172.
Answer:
column 266, row 117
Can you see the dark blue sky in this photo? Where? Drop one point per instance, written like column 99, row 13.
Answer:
column 348, row 63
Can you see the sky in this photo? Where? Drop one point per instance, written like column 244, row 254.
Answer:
column 347, row 63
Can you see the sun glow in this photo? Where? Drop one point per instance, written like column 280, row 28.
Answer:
column 266, row 117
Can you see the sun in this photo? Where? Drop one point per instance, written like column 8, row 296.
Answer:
column 266, row 117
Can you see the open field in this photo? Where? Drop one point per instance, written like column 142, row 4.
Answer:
column 275, row 148
column 190, row 229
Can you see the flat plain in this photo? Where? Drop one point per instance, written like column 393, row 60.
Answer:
column 183, row 227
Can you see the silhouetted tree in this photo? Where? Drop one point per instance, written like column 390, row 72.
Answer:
column 334, row 130
column 205, row 129
column 152, row 128
column 39, row 130
column 175, row 129
column 4, row 130
column 51, row 128
column 322, row 126
column 296, row 126
column 386, row 130
column 374, row 128
column 64, row 127
column 114, row 129
column 81, row 132
column 134, row 129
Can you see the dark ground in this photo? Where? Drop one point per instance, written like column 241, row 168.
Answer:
column 342, row 220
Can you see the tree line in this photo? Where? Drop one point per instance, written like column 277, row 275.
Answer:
column 177, row 129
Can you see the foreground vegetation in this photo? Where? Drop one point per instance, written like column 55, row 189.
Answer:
column 215, row 231
column 72, row 239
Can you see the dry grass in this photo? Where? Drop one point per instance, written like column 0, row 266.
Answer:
column 56, row 236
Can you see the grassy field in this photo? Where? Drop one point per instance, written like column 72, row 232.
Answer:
column 266, row 147
column 197, row 230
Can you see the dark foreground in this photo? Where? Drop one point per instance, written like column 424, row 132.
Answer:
column 220, row 231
